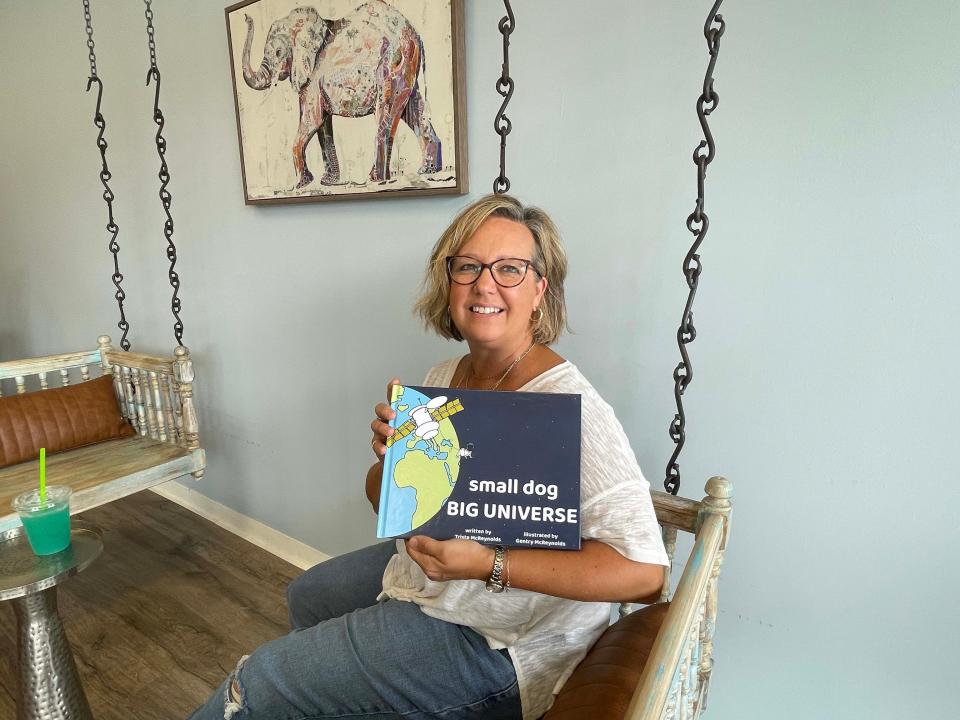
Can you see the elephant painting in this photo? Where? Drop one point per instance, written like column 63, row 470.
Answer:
column 370, row 61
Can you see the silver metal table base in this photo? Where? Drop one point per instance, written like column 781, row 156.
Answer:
column 50, row 687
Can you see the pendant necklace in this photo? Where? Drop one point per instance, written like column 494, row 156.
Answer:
column 502, row 377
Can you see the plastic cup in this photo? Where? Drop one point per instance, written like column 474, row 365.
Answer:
column 46, row 522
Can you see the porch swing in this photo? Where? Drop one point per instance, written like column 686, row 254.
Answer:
column 655, row 663
column 132, row 427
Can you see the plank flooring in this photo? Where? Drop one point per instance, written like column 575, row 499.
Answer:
column 163, row 614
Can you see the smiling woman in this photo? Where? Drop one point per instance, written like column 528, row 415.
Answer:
column 381, row 631
column 495, row 278
column 496, row 321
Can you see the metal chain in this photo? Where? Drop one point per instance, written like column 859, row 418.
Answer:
column 105, row 176
column 697, row 224
column 151, row 43
column 90, row 54
column 165, row 198
column 501, row 123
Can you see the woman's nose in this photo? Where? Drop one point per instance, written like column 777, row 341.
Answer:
column 485, row 283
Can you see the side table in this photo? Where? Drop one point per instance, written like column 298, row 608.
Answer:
column 50, row 687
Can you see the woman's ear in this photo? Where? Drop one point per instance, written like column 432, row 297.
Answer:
column 541, row 291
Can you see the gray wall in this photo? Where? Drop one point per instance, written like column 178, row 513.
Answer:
column 826, row 361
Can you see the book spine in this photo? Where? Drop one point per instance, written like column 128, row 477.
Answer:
column 385, row 480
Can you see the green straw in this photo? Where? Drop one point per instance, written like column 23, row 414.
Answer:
column 43, row 474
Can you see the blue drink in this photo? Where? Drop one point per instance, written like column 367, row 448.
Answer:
column 48, row 530
column 46, row 522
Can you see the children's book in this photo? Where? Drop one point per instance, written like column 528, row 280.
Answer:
column 502, row 468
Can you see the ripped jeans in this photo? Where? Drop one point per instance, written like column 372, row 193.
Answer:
column 351, row 657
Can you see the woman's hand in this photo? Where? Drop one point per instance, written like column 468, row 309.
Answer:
column 451, row 559
column 381, row 423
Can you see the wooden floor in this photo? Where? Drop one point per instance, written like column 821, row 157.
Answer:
column 163, row 615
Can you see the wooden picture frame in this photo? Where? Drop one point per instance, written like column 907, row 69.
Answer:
column 320, row 116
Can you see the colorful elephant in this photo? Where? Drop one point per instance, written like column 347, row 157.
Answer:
column 367, row 62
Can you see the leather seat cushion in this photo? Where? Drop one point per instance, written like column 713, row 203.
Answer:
column 603, row 683
column 59, row 419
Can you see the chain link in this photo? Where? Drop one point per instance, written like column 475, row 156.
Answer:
column 151, row 43
column 101, row 124
column 89, row 23
column 501, row 124
column 697, row 224
column 166, row 199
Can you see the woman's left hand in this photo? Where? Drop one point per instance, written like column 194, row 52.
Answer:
column 451, row 559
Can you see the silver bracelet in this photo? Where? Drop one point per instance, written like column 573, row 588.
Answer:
column 495, row 583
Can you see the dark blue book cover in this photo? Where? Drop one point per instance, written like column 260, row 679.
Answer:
column 502, row 468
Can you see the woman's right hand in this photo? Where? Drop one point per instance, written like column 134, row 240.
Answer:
column 381, row 423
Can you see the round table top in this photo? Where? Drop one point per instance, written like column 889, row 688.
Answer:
column 23, row 573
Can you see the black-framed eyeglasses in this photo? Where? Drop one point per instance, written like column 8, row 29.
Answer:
column 506, row 272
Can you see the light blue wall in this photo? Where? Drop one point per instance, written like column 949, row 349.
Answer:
column 827, row 355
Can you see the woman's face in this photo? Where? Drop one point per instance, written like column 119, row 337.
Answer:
column 488, row 315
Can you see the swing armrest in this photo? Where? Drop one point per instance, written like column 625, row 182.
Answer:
column 155, row 394
column 655, row 663
column 675, row 663
column 640, row 663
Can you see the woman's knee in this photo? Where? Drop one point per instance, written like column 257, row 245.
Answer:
column 299, row 588
column 304, row 600
column 338, row 586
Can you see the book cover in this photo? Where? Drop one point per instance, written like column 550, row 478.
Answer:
column 502, row 468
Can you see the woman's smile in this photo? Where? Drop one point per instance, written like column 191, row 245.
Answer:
column 485, row 310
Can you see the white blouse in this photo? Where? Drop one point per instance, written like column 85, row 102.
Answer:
column 548, row 636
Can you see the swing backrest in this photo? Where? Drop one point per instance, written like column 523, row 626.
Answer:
column 655, row 662
column 155, row 394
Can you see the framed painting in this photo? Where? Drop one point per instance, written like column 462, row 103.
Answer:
column 345, row 99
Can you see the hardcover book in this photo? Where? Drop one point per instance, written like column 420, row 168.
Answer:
column 502, row 468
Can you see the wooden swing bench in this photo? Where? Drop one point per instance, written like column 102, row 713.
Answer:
column 153, row 394
column 655, row 663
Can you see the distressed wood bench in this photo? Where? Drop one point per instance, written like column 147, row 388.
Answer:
column 655, row 663
column 154, row 394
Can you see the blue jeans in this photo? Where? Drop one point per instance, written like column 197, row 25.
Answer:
column 349, row 656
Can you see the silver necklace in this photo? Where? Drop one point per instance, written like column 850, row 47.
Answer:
column 502, row 377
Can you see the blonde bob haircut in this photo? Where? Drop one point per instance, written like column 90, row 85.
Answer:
column 549, row 261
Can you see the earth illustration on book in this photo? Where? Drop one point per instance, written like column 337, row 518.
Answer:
column 424, row 461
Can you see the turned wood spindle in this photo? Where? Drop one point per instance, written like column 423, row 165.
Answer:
column 166, row 392
column 157, row 406
column 128, row 394
column 148, row 409
column 670, row 545
column 138, row 400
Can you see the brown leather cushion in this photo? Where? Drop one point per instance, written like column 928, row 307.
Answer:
column 603, row 683
column 59, row 419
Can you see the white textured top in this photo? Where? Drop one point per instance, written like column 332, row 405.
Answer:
column 545, row 635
